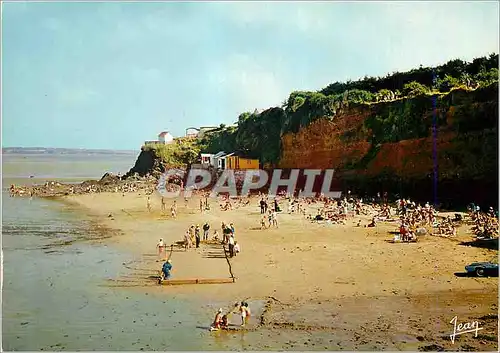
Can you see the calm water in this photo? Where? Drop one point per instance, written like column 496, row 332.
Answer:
column 53, row 298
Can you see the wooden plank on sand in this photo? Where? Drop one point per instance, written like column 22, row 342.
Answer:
column 171, row 282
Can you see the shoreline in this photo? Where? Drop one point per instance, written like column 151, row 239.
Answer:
column 312, row 268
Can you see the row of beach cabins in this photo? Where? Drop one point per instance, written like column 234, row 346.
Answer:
column 223, row 161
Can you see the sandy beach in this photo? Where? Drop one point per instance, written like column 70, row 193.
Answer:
column 315, row 277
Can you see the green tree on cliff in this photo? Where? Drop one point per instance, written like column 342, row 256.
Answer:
column 448, row 83
column 384, row 95
column 487, row 77
column 414, row 89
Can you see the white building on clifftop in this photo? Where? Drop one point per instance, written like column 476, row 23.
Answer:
column 164, row 138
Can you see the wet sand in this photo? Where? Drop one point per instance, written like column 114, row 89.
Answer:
column 344, row 287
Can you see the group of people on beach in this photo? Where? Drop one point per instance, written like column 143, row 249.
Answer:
column 269, row 215
column 221, row 320
column 485, row 224
column 196, row 234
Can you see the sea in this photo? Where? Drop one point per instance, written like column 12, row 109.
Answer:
column 54, row 296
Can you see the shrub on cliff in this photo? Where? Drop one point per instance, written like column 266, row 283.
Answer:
column 181, row 152
column 487, row 77
column 414, row 89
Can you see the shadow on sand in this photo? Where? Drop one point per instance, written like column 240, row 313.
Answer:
column 466, row 274
column 491, row 244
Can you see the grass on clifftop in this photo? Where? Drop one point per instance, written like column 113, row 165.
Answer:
column 182, row 152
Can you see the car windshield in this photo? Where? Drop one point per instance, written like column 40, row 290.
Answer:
column 494, row 260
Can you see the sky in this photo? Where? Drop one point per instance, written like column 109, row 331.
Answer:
column 112, row 75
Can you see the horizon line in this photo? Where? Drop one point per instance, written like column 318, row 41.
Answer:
column 70, row 148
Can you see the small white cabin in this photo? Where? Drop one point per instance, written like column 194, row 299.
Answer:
column 207, row 159
column 219, row 160
column 165, row 137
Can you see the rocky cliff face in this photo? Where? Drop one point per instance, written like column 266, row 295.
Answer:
column 442, row 148
column 147, row 163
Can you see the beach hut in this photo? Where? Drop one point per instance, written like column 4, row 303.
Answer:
column 239, row 161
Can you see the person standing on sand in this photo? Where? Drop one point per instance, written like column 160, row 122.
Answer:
column 161, row 248
column 247, row 309
column 166, row 269
column 243, row 313
column 223, row 227
column 231, row 246
column 197, row 235
column 227, row 234
column 173, row 210
column 263, row 222
column 206, row 228
column 274, row 216
column 187, row 240
column 191, row 232
column 149, row 204
column 201, row 205
column 163, row 204
column 262, row 206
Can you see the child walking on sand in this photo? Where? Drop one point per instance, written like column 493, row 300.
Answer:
column 263, row 222
column 161, row 248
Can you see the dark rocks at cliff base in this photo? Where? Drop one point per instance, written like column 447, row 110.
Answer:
column 108, row 183
column 147, row 163
column 109, row 178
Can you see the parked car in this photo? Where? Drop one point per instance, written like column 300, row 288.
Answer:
column 482, row 269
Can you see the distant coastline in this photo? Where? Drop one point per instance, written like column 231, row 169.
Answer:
column 52, row 150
